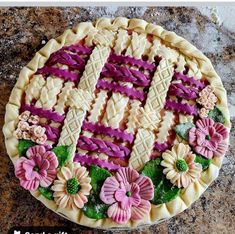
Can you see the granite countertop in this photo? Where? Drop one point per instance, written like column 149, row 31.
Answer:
column 23, row 31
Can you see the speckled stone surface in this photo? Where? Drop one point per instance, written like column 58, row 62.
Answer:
column 23, row 31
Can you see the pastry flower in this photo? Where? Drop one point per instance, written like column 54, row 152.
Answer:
column 179, row 166
column 208, row 138
column 39, row 168
column 128, row 193
column 72, row 186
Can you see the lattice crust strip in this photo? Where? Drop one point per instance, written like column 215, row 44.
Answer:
column 87, row 84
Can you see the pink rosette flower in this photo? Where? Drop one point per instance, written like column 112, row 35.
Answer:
column 34, row 119
column 128, row 193
column 24, row 116
column 23, row 126
column 37, row 131
column 208, row 138
column 38, row 169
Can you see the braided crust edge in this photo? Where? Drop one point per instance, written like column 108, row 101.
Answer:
column 191, row 53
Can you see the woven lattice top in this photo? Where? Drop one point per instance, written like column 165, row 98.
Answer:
column 117, row 124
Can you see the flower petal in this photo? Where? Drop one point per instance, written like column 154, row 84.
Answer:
column 220, row 129
column 141, row 210
column 108, row 190
column 127, row 175
column 66, row 173
column 120, row 194
column 31, row 185
column 146, row 187
column 118, row 215
column 204, row 123
column 38, row 149
column 52, row 159
column 221, row 149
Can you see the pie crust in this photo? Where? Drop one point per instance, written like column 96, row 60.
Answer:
column 135, row 38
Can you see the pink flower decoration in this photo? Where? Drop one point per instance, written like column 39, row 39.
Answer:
column 128, row 193
column 34, row 119
column 208, row 138
column 23, row 126
column 38, row 169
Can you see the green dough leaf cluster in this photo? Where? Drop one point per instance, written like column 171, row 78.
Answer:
column 24, row 145
column 46, row 192
column 164, row 191
column 95, row 208
column 183, row 129
column 203, row 161
column 63, row 154
column 217, row 115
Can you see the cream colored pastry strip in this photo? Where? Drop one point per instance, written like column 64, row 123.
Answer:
column 75, row 116
column 122, row 42
column 63, row 97
column 33, row 89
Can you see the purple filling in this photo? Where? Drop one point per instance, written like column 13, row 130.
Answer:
column 119, row 73
column 86, row 160
column 52, row 133
column 101, row 146
column 101, row 129
column 132, row 93
column 114, row 58
column 180, row 107
column 80, row 49
column 66, row 75
column 161, row 147
column 48, row 114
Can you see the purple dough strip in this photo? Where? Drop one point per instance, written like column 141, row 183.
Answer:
column 119, row 73
column 86, row 160
column 189, row 80
column 74, row 61
column 114, row 58
column 132, row 93
column 161, row 147
column 181, row 91
column 52, row 133
column 180, row 107
column 48, row 114
column 66, row 75
column 101, row 146
column 80, row 49
column 101, row 129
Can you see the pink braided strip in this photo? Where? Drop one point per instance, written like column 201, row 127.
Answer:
column 80, row 49
column 132, row 93
column 65, row 74
column 101, row 146
column 52, row 133
column 114, row 58
column 161, row 147
column 119, row 73
column 74, row 61
column 86, row 160
column 181, row 91
column 48, row 114
column 102, row 129
column 180, row 107
column 189, row 80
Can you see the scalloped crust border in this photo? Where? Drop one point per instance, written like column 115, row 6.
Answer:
column 70, row 36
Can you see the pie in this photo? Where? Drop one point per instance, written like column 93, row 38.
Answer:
column 117, row 123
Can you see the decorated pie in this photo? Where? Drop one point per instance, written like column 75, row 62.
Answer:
column 117, row 123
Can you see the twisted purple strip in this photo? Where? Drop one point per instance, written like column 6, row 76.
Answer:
column 101, row 146
column 180, row 107
column 114, row 58
column 48, row 114
column 80, row 49
column 181, row 91
column 132, row 93
column 102, row 129
column 66, row 75
column 86, row 160
column 52, row 133
column 161, row 147
column 119, row 73
column 74, row 61
column 189, row 80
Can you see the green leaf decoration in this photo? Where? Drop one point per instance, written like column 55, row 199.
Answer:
column 95, row 208
column 46, row 192
column 217, row 115
column 63, row 153
column 183, row 129
column 98, row 176
column 24, row 145
column 203, row 161
column 164, row 191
